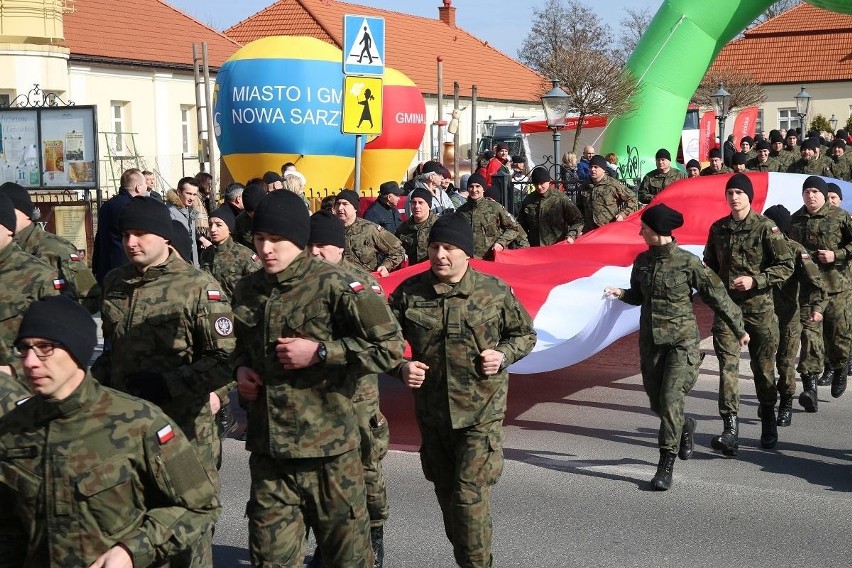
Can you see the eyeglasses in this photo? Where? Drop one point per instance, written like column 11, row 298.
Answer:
column 42, row 350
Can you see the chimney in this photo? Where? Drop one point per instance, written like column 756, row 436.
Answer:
column 447, row 13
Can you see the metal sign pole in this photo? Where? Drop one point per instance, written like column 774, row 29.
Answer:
column 357, row 187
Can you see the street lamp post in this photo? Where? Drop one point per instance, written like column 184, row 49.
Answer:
column 803, row 101
column 833, row 122
column 489, row 127
column 555, row 104
column 721, row 101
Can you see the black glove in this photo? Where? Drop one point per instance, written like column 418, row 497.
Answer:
column 149, row 386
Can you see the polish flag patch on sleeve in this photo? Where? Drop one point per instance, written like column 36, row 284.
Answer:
column 776, row 230
column 165, row 434
column 805, row 256
column 74, row 256
column 255, row 258
column 214, row 295
column 378, row 290
column 59, row 284
column 356, row 286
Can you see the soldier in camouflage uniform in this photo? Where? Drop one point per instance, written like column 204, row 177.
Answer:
column 791, row 151
column 227, row 261
column 326, row 242
column 305, row 331
column 465, row 328
column 547, row 215
column 252, row 195
column 841, row 168
column 763, row 162
column 661, row 282
column 776, row 150
column 368, row 245
column 169, row 330
column 750, row 256
column 716, row 166
column 88, row 475
column 52, row 249
column 604, row 199
column 826, row 232
column 657, row 180
column 747, row 147
column 414, row 231
column 809, row 162
column 800, row 299
column 494, row 228
column 23, row 280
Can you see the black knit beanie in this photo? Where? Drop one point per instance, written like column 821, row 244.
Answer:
column 148, row 215
column 816, row 182
column 779, row 215
column 539, row 175
column 834, row 188
column 181, row 241
column 741, row 182
column 350, row 196
column 7, row 213
column 283, row 213
column 662, row 219
column 327, row 229
column 454, row 230
column 61, row 319
column 423, row 194
column 252, row 195
column 226, row 214
column 20, row 197
column 476, row 178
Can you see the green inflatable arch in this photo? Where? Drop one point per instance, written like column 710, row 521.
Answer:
column 669, row 62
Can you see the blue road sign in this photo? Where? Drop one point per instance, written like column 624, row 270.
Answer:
column 363, row 45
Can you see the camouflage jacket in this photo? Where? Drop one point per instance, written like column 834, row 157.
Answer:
column 788, row 156
column 79, row 476
column 770, row 165
column 308, row 413
column 662, row 281
column 242, row 231
column 63, row 257
column 656, row 181
column 830, row 228
column 175, row 321
column 368, row 245
column 709, row 171
column 752, row 247
column 491, row 225
column 448, row 326
column 228, row 262
column 415, row 238
column 818, row 167
column 550, row 218
column 841, row 168
column 603, row 201
column 804, row 287
column 24, row 279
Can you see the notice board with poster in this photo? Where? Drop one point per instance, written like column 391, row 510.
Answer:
column 49, row 147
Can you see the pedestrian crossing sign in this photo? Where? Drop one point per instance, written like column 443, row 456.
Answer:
column 362, row 105
column 363, row 45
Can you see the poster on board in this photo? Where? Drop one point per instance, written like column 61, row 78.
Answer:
column 18, row 147
column 68, row 147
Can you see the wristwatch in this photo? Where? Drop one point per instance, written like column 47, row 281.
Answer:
column 322, row 352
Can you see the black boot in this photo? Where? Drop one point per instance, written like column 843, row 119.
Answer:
column 225, row 421
column 808, row 399
column 849, row 364
column 729, row 441
column 662, row 480
column 687, row 439
column 827, row 376
column 785, row 411
column 769, row 432
column 838, row 383
column 377, row 540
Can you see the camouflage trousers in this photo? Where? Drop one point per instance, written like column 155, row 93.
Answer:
column 325, row 494
column 668, row 374
column 375, row 438
column 762, row 328
column 463, row 464
column 789, row 343
column 830, row 340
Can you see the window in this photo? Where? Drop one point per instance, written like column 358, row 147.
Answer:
column 118, row 117
column 787, row 118
column 758, row 127
column 185, row 128
column 5, row 99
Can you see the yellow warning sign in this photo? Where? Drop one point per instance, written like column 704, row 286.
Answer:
column 362, row 105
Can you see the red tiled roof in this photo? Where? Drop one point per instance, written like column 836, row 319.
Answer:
column 804, row 44
column 111, row 30
column 412, row 44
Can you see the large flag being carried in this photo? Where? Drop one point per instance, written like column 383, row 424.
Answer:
column 562, row 285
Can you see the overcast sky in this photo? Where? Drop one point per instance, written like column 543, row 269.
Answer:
column 502, row 23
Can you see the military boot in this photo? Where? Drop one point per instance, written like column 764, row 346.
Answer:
column 808, row 399
column 785, row 411
column 225, row 421
column 827, row 376
column 849, row 364
column 662, row 480
column 769, row 430
column 377, row 540
column 729, row 441
column 838, row 383
column 687, row 439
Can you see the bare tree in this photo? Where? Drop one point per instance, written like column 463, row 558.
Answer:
column 745, row 91
column 595, row 83
column 775, row 10
column 561, row 26
column 632, row 26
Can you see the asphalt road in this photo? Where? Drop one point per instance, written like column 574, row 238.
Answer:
column 580, row 450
